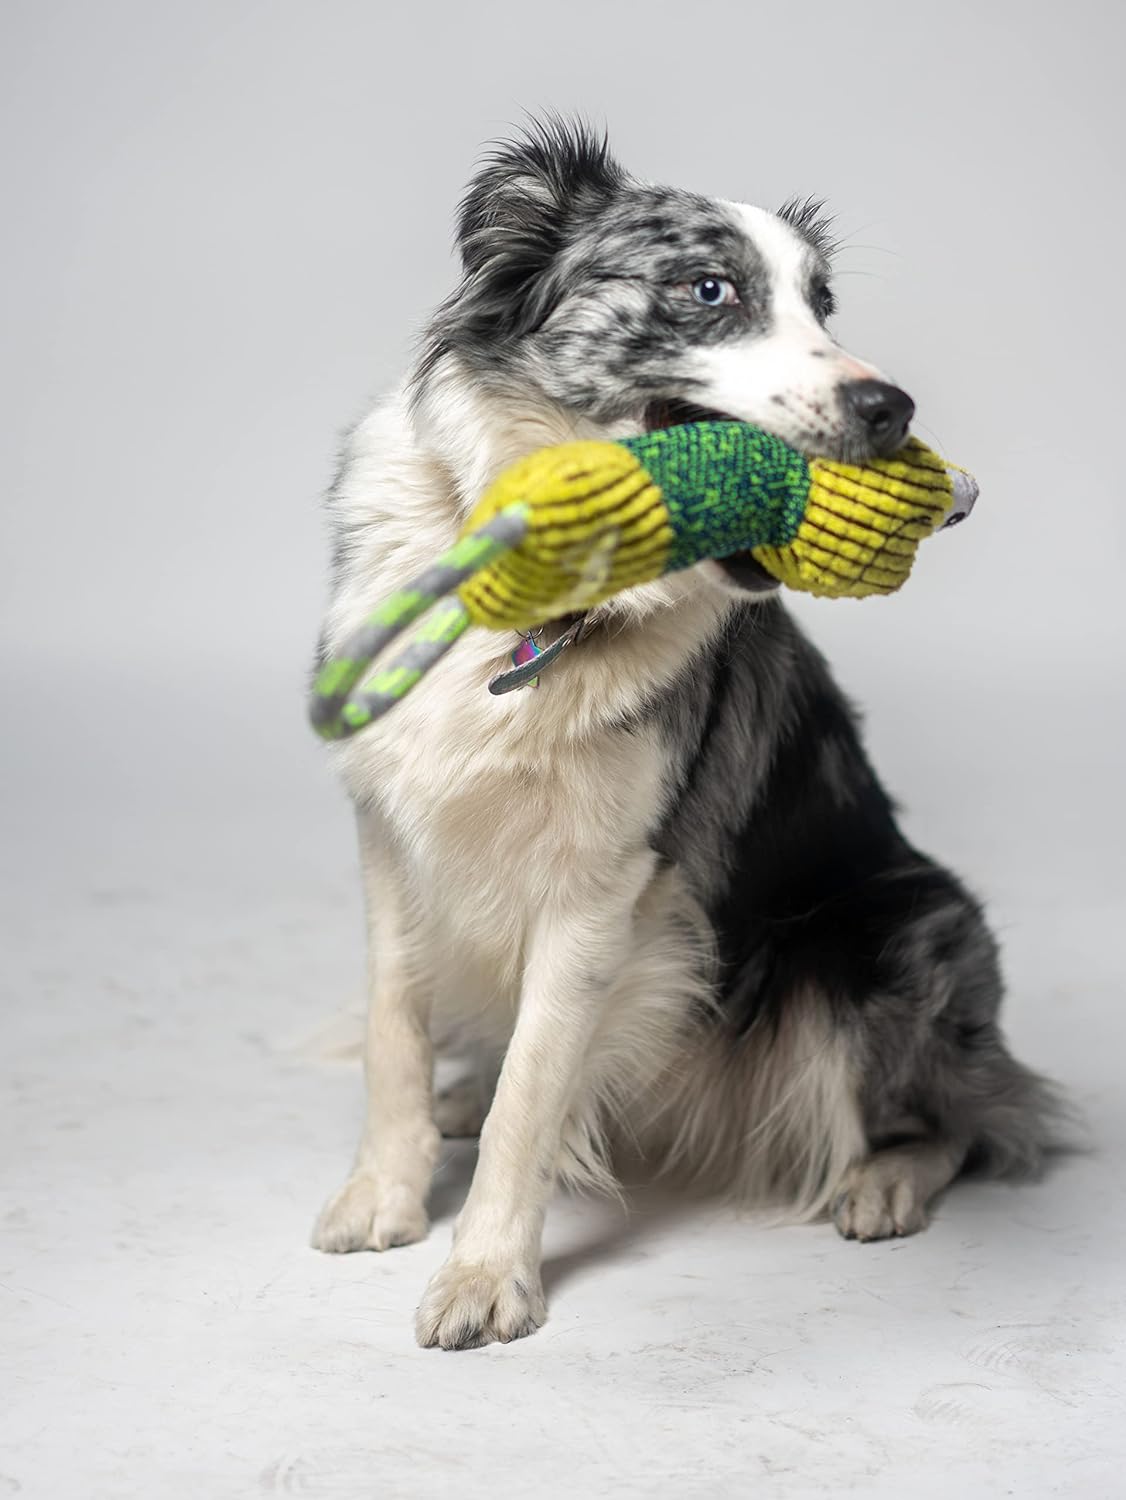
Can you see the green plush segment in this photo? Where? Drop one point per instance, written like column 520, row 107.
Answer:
column 337, row 678
column 728, row 487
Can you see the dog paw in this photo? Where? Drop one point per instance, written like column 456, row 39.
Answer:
column 467, row 1305
column 364, row 1215
column 876, row 1202
column 459, row 1111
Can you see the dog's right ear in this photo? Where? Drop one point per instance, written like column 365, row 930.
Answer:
column 515, row 216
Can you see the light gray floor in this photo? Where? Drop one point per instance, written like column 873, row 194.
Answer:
column 181, row 934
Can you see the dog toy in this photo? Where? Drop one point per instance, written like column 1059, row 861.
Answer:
column 570, row 526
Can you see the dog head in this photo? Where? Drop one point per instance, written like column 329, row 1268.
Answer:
column 615, row 305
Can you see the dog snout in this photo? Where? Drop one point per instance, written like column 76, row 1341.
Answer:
column 883, row 410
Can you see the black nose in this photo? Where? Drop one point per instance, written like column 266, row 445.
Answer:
column 884, row 409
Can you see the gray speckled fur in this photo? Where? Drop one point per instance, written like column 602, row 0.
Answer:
column 569, row 265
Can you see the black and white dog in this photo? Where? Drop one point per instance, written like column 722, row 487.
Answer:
column 664, row 895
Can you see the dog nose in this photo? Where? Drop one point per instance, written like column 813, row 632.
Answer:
column 884, row 409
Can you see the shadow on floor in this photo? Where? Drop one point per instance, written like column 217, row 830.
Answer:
column 612, row 1229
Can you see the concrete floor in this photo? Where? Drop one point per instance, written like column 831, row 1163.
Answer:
column 180, row 927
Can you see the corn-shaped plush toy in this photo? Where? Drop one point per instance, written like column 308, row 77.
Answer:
column 570, row 526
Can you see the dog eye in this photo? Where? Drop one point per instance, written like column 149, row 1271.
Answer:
column 714, row 291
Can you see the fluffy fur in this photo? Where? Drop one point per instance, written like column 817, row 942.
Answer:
column 664, row 895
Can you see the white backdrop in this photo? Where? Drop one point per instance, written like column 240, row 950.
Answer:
column 224, row 224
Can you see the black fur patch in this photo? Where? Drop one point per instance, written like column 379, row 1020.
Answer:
column 777, row 818
column 520, row 203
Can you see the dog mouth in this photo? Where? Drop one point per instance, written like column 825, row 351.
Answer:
column 673, row 413
column 741, row 568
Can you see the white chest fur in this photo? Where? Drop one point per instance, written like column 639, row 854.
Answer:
column 497, row 806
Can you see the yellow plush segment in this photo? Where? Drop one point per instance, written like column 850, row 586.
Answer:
column 862, row 526
column 573, row 493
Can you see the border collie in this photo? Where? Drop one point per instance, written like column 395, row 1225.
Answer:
column 663, row 894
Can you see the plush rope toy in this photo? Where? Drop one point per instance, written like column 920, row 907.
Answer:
column 568, row 527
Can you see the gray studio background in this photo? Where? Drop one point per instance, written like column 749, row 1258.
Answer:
column 224, row 225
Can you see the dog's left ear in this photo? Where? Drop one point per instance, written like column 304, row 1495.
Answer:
column 516, row 216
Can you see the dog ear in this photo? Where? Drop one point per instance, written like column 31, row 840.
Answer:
column 515, row 216
column 808, row 217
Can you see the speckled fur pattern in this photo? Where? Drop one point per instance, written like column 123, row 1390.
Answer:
column 663, row 896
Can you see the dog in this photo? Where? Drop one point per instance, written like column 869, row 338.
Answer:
column 662, row 895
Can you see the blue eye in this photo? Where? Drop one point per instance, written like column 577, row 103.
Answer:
column 714, row 291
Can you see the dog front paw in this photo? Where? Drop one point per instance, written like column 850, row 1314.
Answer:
column 467, row 1305
column 369, row 1215
column 877, row 1204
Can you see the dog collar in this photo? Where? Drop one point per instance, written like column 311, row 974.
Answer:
column 530, row 658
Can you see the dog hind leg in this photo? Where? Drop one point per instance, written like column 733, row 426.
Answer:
column 888, row 1192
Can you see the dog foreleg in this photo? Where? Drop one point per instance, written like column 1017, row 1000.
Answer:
column 383, row 1203
column 490, row 1287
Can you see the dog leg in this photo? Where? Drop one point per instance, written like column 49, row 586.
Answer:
column 490, row 1288
column 888, row 1192
column 383, row 1203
